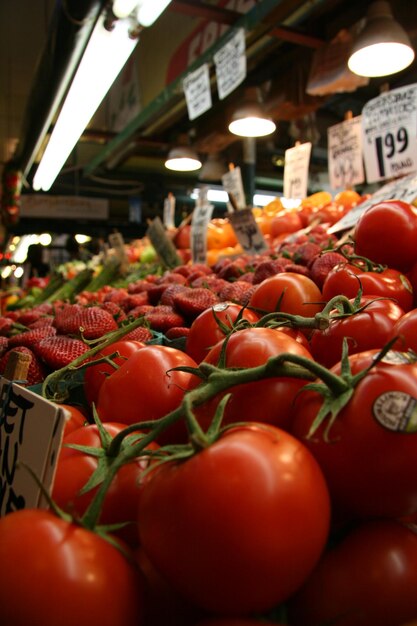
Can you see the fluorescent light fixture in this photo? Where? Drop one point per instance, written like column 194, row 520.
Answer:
column 382, row 47
column 262, row 199
column 213, row 195
column 105, row 55
column 150, row 10
column 249, row 120
column 183, row 159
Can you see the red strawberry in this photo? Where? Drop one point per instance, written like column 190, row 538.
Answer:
column 115, row 311
column 239, row 292
column 93, row 321
column 134, row 300
column 140, row 311
column 29, row 317
column 139, row 286
column 140, row 333
column 36, row 371
column 45, row 320
column 176, row 332
column 169, row 294
column 66, row 321
column 192, row 302
column 322, row 266
column 163, row 317
column 31, row 337
column 6, row 325
column 59, row 351
column 296, row 268
column 265, row 269
column 115, row 295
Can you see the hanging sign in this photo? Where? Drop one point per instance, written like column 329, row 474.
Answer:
column 389, row 130
column 247, row 231
column 163, row 245
column 297, row 161
column 230, row 62
column 404, row 189
column 232, row 182
column 30, row 435
column 344, row 142
column 201, row 217
column 197, row 91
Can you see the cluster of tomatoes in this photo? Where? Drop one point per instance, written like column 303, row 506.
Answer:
column 261, row 476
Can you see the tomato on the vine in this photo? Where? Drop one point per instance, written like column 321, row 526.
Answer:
column 239, row 526
column 74, row 418
column 288, row 292
column 55, row 572
column 406, row 331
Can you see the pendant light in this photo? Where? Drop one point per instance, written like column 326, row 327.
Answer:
column 182, row 159
column 250, row 120
column 382, row 47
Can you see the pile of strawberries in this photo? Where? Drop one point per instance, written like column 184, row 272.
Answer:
column 55, row 334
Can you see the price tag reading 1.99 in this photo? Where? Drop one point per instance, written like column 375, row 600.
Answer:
column 389, row 146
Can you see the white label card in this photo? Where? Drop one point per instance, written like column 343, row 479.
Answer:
column 232, row 182
column 31, row 431
column 344, row 143
column 197, row 91
column 389, row 129
column 169, row 211
column 201, row 217
column 297, row 161
column 247, row 231
column 230, row 62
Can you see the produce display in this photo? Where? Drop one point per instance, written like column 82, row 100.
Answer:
column 240, row 440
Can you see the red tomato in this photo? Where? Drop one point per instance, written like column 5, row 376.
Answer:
column 74, row 418
column 368, row 579
column 371, row 328
column 269, row 400
column 387, row 233
column 369, row 459
column 54, row 572
column 346, row 279
column 96, row 374
column 145, row 389
column 406, row 331
column 288, row 292
column 206, row 329
column 234, row 517
column 285, row 222
column 74, row 469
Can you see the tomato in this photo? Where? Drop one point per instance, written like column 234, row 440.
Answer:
column 145, row 389
column 95, row 374
column 227, row 527
column 346, row 279
column 387, row 233
column 371, row 328
column 369, row 459
column 288, row 292
column 368, row 579
column 268, row 400
column 74, row 469
column 54, row 572
column 74, row 418
column 406, row 330
column 205, row 331
column 287, row 221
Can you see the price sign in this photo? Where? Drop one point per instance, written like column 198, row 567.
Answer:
column 232, row 182
column 404, row 189
column 389, row 130
column 116, row 242
column 247, row 231
column 344, row 142
column 230, row 62
column 163, row 245
column 200, row 219
column 169, row 211
column 297, row 161
column 30, row 435
column 197, row 91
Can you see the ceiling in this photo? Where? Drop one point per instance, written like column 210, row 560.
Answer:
column 283, row 38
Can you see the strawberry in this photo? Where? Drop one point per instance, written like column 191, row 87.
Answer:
column 93, row 321
column 214, row 283
column 115, row 311
column 59, row 351
column 29, row 317
column 176, row 332
column 134, row 300
column 192, row 302
column 296, row 268
column 140, row 311
column 6, row 325
column 116, row 295
column 169, row 293
column 45, row 320
column 31, row 337
column 66, row 321
column 239, row 292
column 322, row 266
column 36, row 371
column 163, row 317
column 140, row 333
column 265, row 269
column 139, row 286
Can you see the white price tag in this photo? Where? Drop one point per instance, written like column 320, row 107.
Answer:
column 169, row 211
column 201, row 217
column 232, row 182
column 344, row 142
column 247, row 231
column 197, row 91
column 389, row 129
column 230, row 62
column 297, row 161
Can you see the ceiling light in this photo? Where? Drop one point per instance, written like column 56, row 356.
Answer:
column 382, row 47
column 249, row 120
column 183, row 159
column 106, row 53
column 150, row 10
column 123, row 8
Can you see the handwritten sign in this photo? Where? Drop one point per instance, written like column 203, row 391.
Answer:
column 30, row 434
column 162, row 243
column 297, row 161
column 389, row 129
column 247, row 231
column 230, row 62
column 403, row 189
column 344, row 143
column 232, row 182
column 201, row 217
column 197, row 91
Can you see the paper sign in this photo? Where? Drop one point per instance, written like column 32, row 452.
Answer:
column 344, row 142
column 230, row 62
column 201, row 217
column 389, row 129
column 197, row 91
column 232, row 182
column 30, row 434
column 169, row 211
column 247, row 231
column 403, row 189
column 117, row 243
column 162, row 243
column 297, row 161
